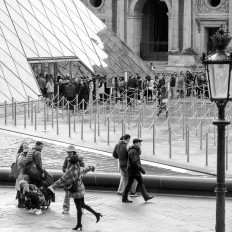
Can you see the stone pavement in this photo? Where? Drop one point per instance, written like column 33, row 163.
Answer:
column 164, row 213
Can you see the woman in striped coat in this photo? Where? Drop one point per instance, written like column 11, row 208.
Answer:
column 73, row 176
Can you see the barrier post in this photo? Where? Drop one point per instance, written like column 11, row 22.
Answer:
column 201, row 135
column 183, row 125
column 57, row 120
column 74, row 124
column 62, row 106
column 153, row 127
column 5, row 112
column 69, row 122
column 15, row 106
column 140, row 130
column 108, row 130
column 227, row 138
column 45, row 125
column 170, row 142
column 206, row 149
column 32, row 108
column 98, row 123
column 196, row 121
column 187, row 146
column 90, row 114
column 52, row 114
column 115, row 116
column 12, row 108
column 35, row 117
column 28, row 101
column 122, row 127
column 214, row 135
column 143, row 109
column 82, row 121
column 186, row 139
column 25, row 116
column 95, row 128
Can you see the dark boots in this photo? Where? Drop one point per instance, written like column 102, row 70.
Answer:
column 144, row 193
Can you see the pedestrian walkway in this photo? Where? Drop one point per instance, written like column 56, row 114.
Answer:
column 164, row 213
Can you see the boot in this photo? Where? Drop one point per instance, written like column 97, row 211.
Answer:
column 79, row 225
column 21, row 203
column 144, row 193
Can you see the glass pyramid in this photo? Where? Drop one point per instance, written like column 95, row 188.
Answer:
column 56, row 31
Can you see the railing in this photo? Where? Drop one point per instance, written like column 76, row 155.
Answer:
column 154, row 50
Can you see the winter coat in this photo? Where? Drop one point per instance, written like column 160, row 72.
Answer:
column 134, row 164
column 67, row 164
column 72, row 175
column 121, row 152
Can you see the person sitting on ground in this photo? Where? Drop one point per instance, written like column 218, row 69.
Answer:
column 34, row 194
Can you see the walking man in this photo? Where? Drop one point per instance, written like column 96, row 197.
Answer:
column 134, row 171
column 121, row 152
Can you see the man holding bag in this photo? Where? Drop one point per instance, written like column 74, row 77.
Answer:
column 34, row 168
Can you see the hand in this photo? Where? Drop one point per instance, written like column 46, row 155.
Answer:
column 142, row 170
column 92, row 168
column 51, row 188
column 43, row 175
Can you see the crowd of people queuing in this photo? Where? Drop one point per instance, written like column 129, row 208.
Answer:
column 162, row 87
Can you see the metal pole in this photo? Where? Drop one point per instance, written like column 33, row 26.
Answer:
column 187, row 145
column 15, row 106
column 108, row 131
column 25, row 116
column 74, row 123
column 114, row 116
column 57, row 120
column 98, row 121
column 45, row 125
column 153, row 127
column 122, row 127
column 95, row 128
column 32, row 108
column 220, row 189
column 28, row 100
column 35, row 116
column 170, row 142
column 82, row 120
column 5, row 113
column 183, row 125
column 206, row 150
column 12, row 107
column 201, row 135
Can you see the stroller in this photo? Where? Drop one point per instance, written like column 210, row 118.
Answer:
column 39, row 192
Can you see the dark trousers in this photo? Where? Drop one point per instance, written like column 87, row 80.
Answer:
column 34, row 201
column 130, row 95
column 71, row 102
column 80, row 203
column 141, row 186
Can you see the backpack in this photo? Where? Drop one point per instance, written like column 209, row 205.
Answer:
column 172, row 82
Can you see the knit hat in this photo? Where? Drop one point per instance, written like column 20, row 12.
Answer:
column 23, row 184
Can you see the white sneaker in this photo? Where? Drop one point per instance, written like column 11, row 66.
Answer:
column 32, row 211
column 38, row 211
column 65, row 212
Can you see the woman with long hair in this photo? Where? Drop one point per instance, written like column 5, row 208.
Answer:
column 73, row 176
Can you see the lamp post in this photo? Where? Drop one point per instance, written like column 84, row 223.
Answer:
column 218, row 67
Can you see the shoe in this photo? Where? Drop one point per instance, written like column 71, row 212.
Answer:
column 98, row 216
column 119, row 193
column 38, row 211
column 126, row 201
column 21, row 206
column 32, row 211
column 134, row 195
column 65, row 212
column 149, row 198
column 77, row 227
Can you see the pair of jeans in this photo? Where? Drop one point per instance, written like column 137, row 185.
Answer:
column 141, row 186
column 124, row 181
column 66, row 203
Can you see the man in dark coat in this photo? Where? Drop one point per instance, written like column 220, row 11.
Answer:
column 132, row 86
column 84, row 95
column 134, row 171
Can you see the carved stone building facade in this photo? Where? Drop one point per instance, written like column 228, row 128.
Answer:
column 175, row 31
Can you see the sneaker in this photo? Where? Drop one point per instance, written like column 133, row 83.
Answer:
column 32, row 211
column 119, row 193
column 38, row 211
column 134, row 194
column 65, row 212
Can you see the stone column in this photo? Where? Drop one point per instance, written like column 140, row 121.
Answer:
column 134, row 31
column 187, row 24
column 169, row 31
column 175, row 26
column 230, row 22
column 120, row 19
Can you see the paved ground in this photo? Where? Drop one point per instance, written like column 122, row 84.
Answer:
column 164, row 213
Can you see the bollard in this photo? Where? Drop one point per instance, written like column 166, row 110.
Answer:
column 32, row 107
column 12, row 107
column 183, row 124
column 15, row 106
column 5, row 113
column 45, row 125
column 143, row 111
column 206, row 149
column 25, row 116
column 187, row 145
column 122, row 127
column 35, row 117
column 98, row 121
column 82, row 123
column 62, row 106
column 153, row 127
column 28, row 101
column 140, row 130
column 108, row 130
column 201, row 135
column 74, row 124
column 115, row 116
column 95, row 128
column 196, row 121
column 69, row 123
column 52, row 114
column 170, row 143
column 57, row 120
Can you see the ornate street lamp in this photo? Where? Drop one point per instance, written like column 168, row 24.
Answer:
column 219, row 67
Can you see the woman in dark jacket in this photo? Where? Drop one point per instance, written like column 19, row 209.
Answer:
column 84, row 95
column 73, row 176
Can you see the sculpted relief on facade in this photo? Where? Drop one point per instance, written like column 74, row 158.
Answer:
column 204, row 6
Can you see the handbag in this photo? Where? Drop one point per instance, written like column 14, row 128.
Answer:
column 14, row 172
column 32, row 171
